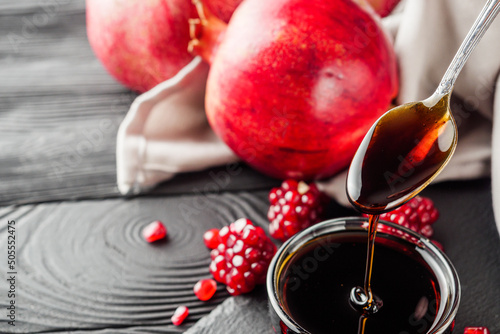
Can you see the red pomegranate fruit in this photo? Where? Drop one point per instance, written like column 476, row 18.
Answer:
column 223, row 9
column 295, row 84
column 143, row 43
column 383, row 7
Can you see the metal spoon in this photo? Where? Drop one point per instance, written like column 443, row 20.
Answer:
column 409, row 145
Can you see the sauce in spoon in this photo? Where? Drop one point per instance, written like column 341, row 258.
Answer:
column 404, row 151
column 401, row 153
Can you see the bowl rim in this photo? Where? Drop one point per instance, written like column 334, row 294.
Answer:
column 343, row 223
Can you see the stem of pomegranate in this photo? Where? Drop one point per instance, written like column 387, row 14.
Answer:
column 206, row 32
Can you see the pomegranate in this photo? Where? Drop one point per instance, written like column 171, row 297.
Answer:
column 295, row 84
column 383, row 7
column 223, row 9
column 142, row 43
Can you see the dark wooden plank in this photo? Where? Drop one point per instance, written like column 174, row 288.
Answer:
column 84, row 265
column 60, row 110
column 238, row 315
column 467, row 230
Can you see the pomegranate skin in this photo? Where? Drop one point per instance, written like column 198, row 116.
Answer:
column 140, row 43
column 383, row 7
column 296, row 84
column 144, row 42
column 223, row 9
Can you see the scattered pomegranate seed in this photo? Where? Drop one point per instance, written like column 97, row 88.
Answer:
column 211, row 238
column 476, row 330
column 205, row 289
column 179, row 315
column 154, row 231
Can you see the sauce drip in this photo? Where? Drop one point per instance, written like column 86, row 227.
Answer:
column 400, row 155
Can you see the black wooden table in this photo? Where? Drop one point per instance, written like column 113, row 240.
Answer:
column 81, row 264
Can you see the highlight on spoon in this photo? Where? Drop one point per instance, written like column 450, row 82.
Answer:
column 410, row 144
column 402, row 153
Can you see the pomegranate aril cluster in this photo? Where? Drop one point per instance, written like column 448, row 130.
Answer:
column 242, row 256
column 293, row 207
column 418, row 214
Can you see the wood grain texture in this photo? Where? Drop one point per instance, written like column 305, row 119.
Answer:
column 237, row 315
column 60, row 111
column 85, row 266
column 466, row 228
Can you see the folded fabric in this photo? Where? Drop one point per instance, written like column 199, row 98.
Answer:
column 166, row 132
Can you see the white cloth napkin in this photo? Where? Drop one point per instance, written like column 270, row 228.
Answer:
column 166, row 132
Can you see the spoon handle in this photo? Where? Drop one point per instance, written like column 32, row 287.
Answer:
column 483, row 22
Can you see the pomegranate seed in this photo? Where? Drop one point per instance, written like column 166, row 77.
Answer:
column 289, row 184
column 205, row 289
column 476, row 330
column 179, row 315
column 154, row 231
column 292, row 196
column 273, row 197
column 211, row 238
column 224, row 234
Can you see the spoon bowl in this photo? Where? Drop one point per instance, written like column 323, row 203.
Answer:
column 401, row 154
column 409, row 145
